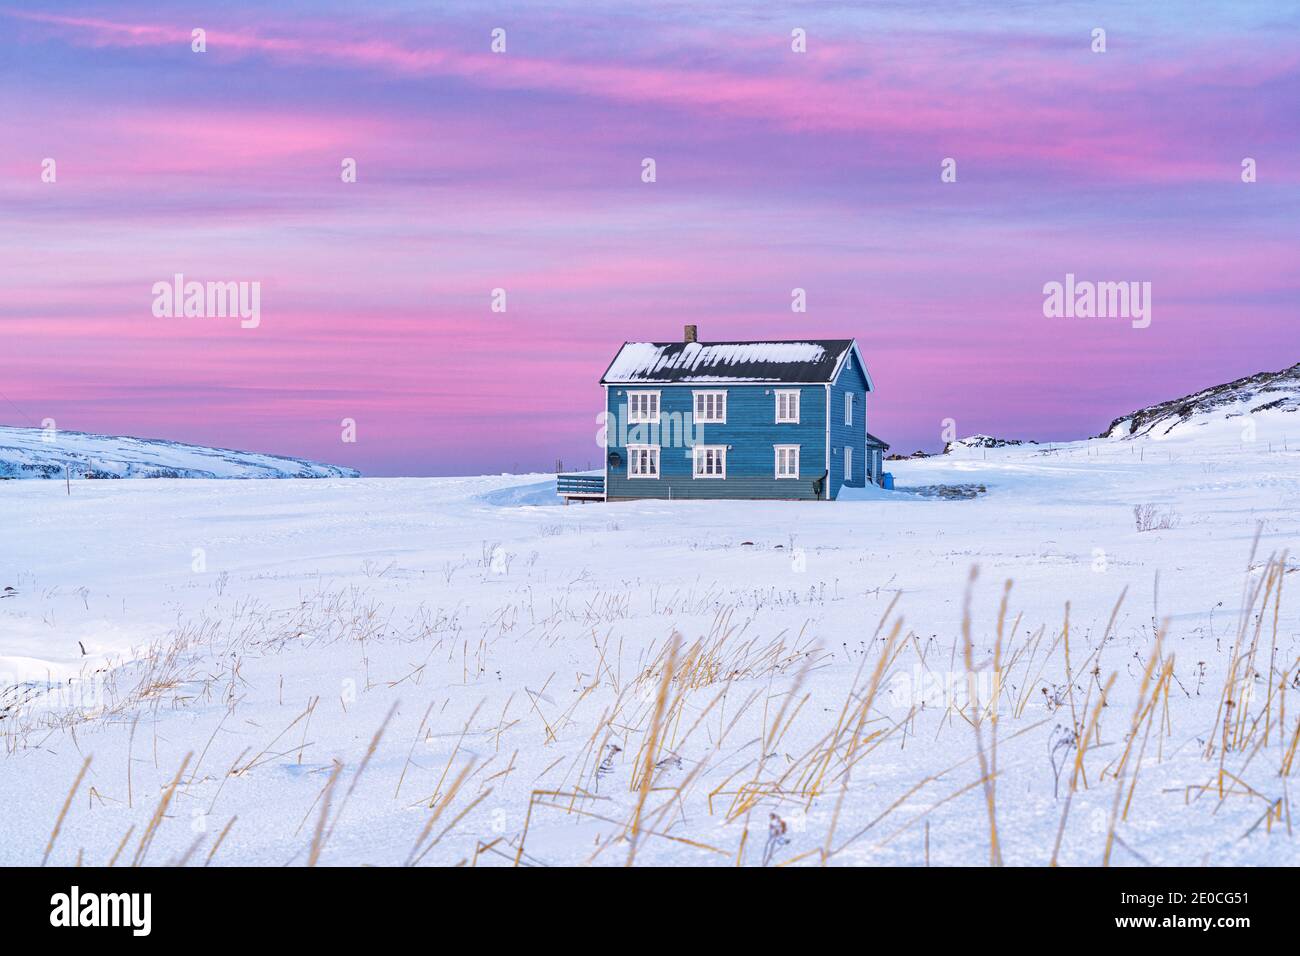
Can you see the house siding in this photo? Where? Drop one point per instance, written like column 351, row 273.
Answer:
column 751, row 432
column 877, row 458
column 852, row 380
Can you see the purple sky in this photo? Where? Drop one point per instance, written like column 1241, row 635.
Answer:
column 522, row 171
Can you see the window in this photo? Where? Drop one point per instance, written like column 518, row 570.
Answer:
column 787, row 461
column 710, row 461
column 848, row 409
column 643, row 461
column 787, row 407
column 643, row 408
column 848, row 463
column 710, row 408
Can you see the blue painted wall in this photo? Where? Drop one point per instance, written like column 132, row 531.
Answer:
column 751, row 432
column 852, row 380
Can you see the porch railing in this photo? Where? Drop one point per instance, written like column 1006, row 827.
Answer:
column 580, row 486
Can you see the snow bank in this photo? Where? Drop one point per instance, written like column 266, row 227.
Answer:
column 537, row 494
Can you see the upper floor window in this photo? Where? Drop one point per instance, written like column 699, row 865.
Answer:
column 848, row 408
column 787, row 461
column 643, row 461
column 643, row 408
column 710, row 461
column 787, row 406
column 710, row 408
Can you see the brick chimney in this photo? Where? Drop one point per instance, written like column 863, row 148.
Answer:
column 690, row 333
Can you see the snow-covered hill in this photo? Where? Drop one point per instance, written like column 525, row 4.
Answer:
column 1266, row 392
column 1260, row 407
column 984, row 441
column 37, row 453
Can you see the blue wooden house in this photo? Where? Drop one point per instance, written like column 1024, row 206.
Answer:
column 697, row 419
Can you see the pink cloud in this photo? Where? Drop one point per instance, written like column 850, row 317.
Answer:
column 776, row 171
column 913, row 91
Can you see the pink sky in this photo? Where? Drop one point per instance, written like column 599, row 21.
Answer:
column 522, row 171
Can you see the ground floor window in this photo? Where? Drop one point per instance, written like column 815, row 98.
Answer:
column 643, row 461
column 848, row 463
column 787, row 461
column 710, row 461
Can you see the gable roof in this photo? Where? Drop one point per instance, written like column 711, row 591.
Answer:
column 804, row 362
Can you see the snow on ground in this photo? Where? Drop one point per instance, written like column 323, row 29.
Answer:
column 506, row 657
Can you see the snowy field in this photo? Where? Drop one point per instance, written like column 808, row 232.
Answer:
column 460, row 671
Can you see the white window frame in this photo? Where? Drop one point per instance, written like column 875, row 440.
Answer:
column 848, row 408
column 777, row 449
column 848, row 462
column 699, row 460
column 637, row 415
column 634, row 456
column 791, row 394
column 700, row 403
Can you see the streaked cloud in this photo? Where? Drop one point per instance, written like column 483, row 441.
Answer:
column 521, row 171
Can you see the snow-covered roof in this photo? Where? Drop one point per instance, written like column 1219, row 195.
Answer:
column 808, row 361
